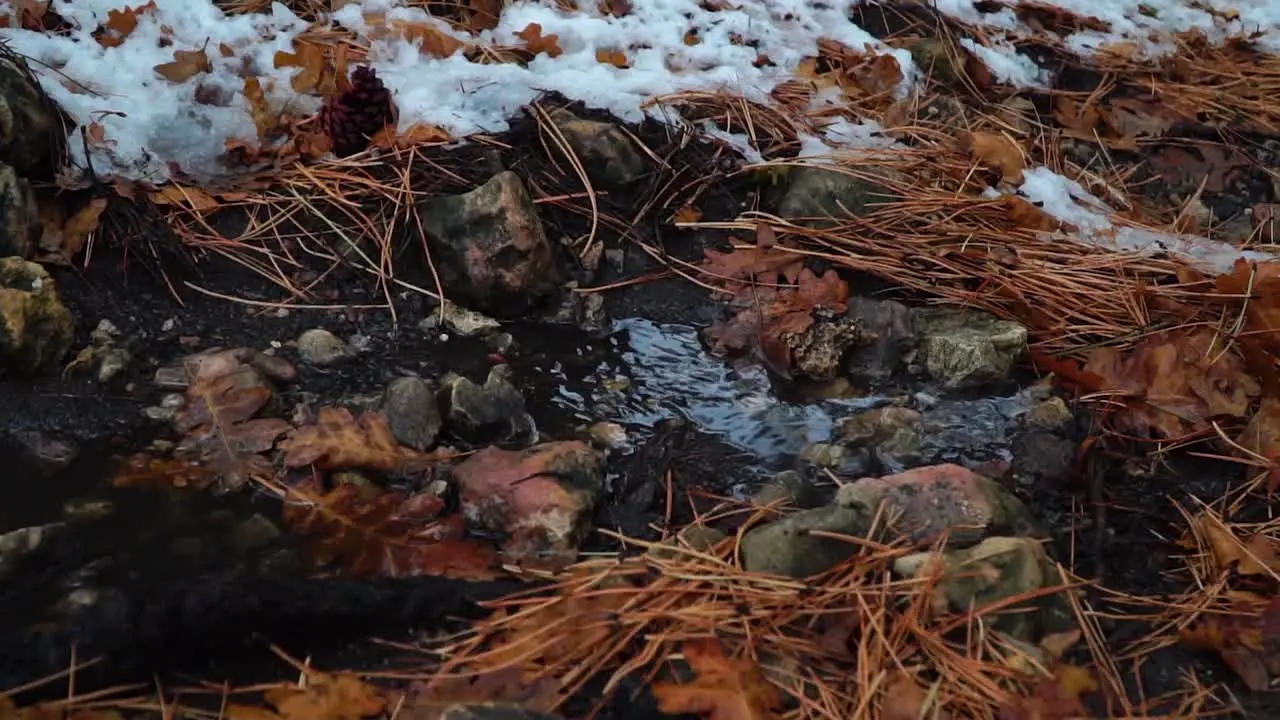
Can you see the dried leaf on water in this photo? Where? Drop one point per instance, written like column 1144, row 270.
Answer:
column 218, row 419
column 340, row 440
column 723, row 688
column 390, row 534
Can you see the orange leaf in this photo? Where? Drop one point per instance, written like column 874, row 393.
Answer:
column 340, row 440
column 418, row 134
column 537, row 42
column 723, row 688
column 328, row 697
column 430, row 39
column 687, row 214
column 484, row 14
column 121, row 23
column 192, row 198
column 616, row 58
column 310, row 58
column 186, row 65
column 998, row 152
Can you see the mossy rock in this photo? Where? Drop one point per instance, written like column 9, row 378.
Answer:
column 35, row 327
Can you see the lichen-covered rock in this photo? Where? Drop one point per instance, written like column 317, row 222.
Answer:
column 35, row 327
column 789, row 547
column 488, row 412
column 490, row 249
column 968, row 348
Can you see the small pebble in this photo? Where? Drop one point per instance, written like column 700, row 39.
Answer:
column 320, row 347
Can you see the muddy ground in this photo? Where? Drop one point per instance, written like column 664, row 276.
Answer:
column 209, row 616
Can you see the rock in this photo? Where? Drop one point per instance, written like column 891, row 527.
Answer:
column 818, row 353
column 255, row 533
column 87, row 509
column 925, row 503
column 787, row 547
column 891, row 436
column 546, row 491
column 889, row 330
column 413, row 412
column 29, row 120
column 47, row 453
column 797, row 489
column 991, row 572
column 609, row 435
column 698, row 538
column 320, row 347
column 582, row 310
column 1050, row 414
column 968, row 348
column 489, row 247
column 112, row 363
column 274, row 368
column 1042, row 456
column 815, row 195
column 483, row 412
column 459, row 319
column 16, row 544
column 35, row 328
column 20, row 227
column 608, row 154
column 835, row 457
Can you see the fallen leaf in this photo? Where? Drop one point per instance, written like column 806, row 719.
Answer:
column 121, row 23
column 484, row 14
column 429, row 39
column 428, row 700
column 417, row 134
column 144, row 471
column 687, row 214
column 1216, row 165
column 722, row 689
column 369, row 532
column 616, row 8
column 997, row 152
column 1237, row 638
column 538, row 43
column 186, row 65
column 1174, row 383
column 218, row 420
column 328, row 697
column 1025, row 215
column 62, row 240
column 903, row 699
column 616, row 58
column 1258, row 554
column 309, row 58
column 337, row 439
column 190, row 197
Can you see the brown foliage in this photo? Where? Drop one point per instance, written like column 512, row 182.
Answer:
column 723, row 688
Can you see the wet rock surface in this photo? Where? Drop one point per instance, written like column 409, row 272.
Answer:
column 35, row 327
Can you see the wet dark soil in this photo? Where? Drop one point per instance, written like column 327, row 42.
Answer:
column 185, row 601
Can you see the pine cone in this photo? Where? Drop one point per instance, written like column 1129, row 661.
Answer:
column 356, row 115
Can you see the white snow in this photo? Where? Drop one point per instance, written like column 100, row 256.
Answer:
column 1007, row 64
column 1068, row 201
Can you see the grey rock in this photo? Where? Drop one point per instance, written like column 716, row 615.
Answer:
column 274, row 368
column 460, row 320
column 796, row 488
column 968, row 348
column 820, row 196
column 320, row 347
column 35, row 327
column 171, row 377
column 698, row 538
column 112, row 364
column 87, row 508
column 788, row 547
column 818, row 353
column 994, row 571
column 16, row 544
column 20, row 227
column 489, row 247
column 255, row 533
column 413, row 412
column 890, row 332
column 483, row 412
column 891, row 436
column 48, row 453
column 609, row 156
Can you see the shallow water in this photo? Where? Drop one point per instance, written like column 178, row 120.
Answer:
column 660, row 370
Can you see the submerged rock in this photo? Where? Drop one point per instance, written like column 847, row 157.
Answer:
column 35, row 327
column 544, row 494
column 492, row 411
column 49, row 454
column 797, row 489
column 321, row 348
column 413, row 412
column 889, row 331
column 490, row 249
column 609, row 156
column 968, row 348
